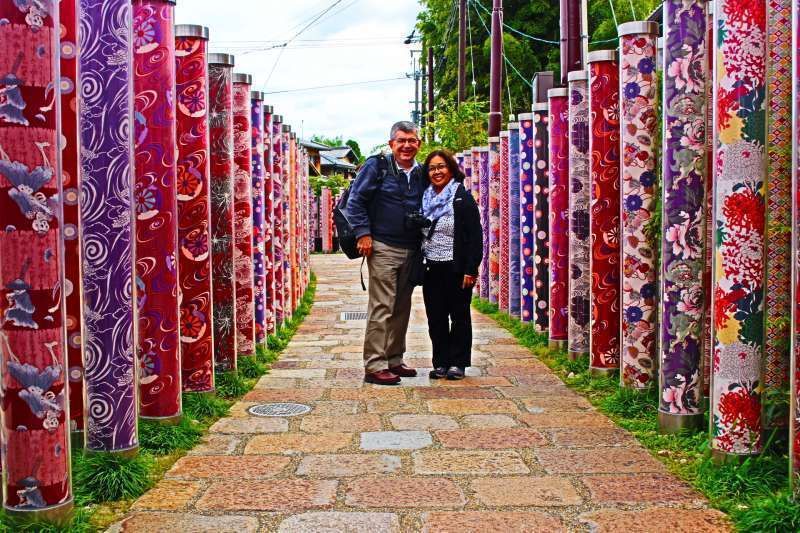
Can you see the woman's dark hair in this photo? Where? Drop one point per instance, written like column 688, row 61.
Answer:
column 449, row 160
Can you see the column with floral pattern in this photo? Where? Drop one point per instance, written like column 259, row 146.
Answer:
column 269, row 208
column 794, row 368
column 526, row 217
column 259, row 276
column 277, row 217
column 739, row 226
column 494, row 218
column 541, row 215
column 483, row 204
column 514, row 230
column 559, row 214
column 684, row 214
column 639, row 275
column 502, row 248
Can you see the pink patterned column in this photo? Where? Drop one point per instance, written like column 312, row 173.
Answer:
column 243, row 215
column 559, row 217
column 269, row 214
column 493, row 237
column 287, row 222
column 194, row 208
column 34, row 411
column 505, row 223
column 277, row 217
column 639, row 273
column 156, row 210
column 475, row 188
column 794, row 368
column 325, row 219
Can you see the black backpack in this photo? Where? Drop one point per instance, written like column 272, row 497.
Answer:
column 347, row 237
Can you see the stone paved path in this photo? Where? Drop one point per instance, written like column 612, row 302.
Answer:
column 510, row 449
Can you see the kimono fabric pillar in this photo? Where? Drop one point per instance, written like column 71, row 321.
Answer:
column 559, row 217
column 505, row 224
column 286, row 221
column 739, row 226
column 541, row 214
column 483, row 190
column 158, row 345
column 194, row 208
column 325, row 215
column 269, row 253
column 494, row 187
column 604, row 148
column 514, row 235
column 277, row 217
column 779, row 196
column 579, row 197
column 794, row 368
column 106, row 229
column 295, row 223
column 257, row 150
column 639, row 276
column 468, row 171
column 527, row 161
column 243, row 215
column 222, row 270
column 34, row 412
column 709, row 236
column 70, row 177
column 684, row 216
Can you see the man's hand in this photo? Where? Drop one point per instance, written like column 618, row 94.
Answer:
column 364, row 246
column 469, row 282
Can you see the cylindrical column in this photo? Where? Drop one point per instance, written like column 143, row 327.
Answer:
column 325, row 215
column 527, row 162
column 259, row 276
column 243, row 214
column 779, row 195
column 288, row 217
column 460, row 160
column 709, row 236
column 70, row 175
column 483, row 190
column 739, row 222
column 794, row 368
column 494, row 188
column 579, row 203
column 295, row 222
column 605, row 260
column 559, row 216
column 277, row 217
column 106, row 229
column 475, row 187
column 35, row 410
column 505, row 221
column 514, row 233
column 683, row 216
column 194, row 208
column 269, row 213
column 468, row 170
column 222, row 245
column 639, row 275
column 158, row 336
column 541, row 215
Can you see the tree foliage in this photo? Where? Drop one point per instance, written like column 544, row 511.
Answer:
column 335, row 183
column 456, row 128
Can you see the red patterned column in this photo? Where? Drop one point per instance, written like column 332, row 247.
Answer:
column 156, row 210
column 269, row 213
column 604, row 149
column 493, row 214
column 325, row 216
column 243, row 215
column 505, row 223
column 34, row 412
column 222, row 274
column 277, row 218
column 286, row 220
column 194, row 208
column 794, row 368
column 70, row 176
column 559, row 217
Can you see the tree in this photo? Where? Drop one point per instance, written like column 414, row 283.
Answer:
column 353, row 144
column 456, row 128
column 333, row 142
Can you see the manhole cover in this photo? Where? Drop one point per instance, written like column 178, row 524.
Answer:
column 279, row 409
column 354, row 315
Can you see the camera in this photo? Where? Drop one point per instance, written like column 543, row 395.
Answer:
column 416, row 222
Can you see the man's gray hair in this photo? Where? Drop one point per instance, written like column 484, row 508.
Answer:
column 405, row 126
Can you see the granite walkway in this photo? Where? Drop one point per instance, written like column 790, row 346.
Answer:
column 509, row 449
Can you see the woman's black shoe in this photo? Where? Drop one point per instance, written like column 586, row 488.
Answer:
column 455, row 372
column 438, row 373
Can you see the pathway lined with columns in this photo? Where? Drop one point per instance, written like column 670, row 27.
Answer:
column 509, row 449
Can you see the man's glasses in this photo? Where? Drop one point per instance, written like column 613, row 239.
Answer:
column 412, row 142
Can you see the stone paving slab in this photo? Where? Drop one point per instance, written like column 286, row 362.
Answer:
column 509, row 449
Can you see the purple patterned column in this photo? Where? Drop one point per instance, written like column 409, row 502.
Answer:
column 107, row 212
column 156, row 210
column 35, row 396
column 493, row 214
column 287, row 225
column 794, row 368
column 483, row 190
column 277, row 217
column 639, row 274
column 559, row 216
column 527, row 160
column 541, row 215
column 468, row 171
column 684, row 216
column 579, row 199
column 269, row 214
column 259, row 275
column 514, row 235
column 739, row 222
column 503, row 251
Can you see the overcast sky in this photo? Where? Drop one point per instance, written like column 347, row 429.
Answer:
column 358, row 40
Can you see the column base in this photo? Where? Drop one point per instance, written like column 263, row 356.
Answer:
column 574, row 356
column 669, row 423
column 602, row 372
column 557, row 345
column 60, row 514
column 722, row 458
column 129, row 453
column 164, row 420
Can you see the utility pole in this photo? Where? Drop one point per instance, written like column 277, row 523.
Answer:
column 462, row 51
column 573, row 21
column 496, row 83
column 417, row 75
column 431, row 103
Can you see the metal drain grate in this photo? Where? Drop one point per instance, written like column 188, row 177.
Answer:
column 279, row 409
column 354, row 315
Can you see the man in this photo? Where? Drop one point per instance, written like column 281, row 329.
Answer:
column 380, row 199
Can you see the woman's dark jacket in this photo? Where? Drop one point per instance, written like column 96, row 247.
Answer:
column 467, row 233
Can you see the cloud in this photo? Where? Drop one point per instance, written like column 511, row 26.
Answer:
column 365, row 43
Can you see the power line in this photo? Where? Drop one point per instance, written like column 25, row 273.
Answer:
column 336, row 85
column 505, row 58
column 471, row 57
column 514, row 30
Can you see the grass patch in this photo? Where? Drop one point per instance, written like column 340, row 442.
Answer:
column 203, row 406
column 251, row 367
column 162, row 439
column 103, row 477
column 232, row 385
column 755, row 493
column 80, row 523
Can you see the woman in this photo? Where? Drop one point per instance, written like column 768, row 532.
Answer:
column 452, row 248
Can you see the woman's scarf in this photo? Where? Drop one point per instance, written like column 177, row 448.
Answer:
column 435, row 206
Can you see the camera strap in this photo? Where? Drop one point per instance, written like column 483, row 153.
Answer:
column 361, row 271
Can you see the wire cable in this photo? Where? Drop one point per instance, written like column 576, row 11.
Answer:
column 471, row 57
column 336, row 85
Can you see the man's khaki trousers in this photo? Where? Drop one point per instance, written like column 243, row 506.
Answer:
column 389, row 306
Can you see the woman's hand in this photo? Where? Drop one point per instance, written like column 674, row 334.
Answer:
column 469, row 282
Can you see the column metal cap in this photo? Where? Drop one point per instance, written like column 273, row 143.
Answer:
column 578, row 75
column 525, row 116
column 226, row 60
column 191, row 30
column 494, row 139
column 269, row 109
column 286, row 128
column 257, row 95
column 240, row 77
column 541, row 106
column 504, row 133
column 601, row 55
column 277, row 118
column 513, row 126
column 557, row 92
column 645, row 27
